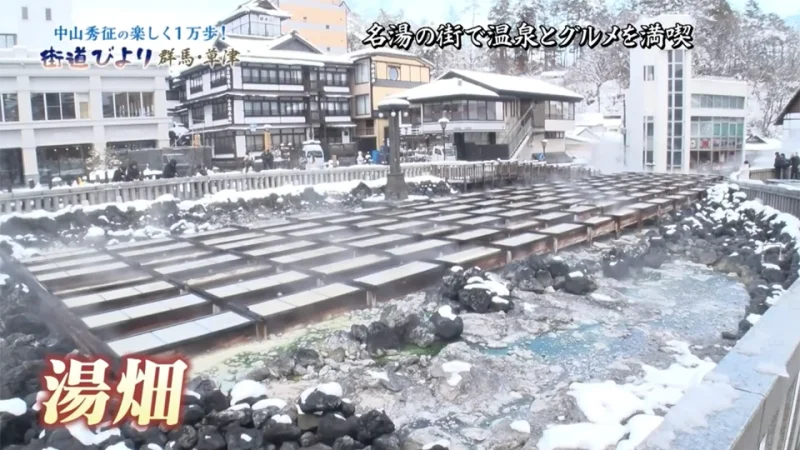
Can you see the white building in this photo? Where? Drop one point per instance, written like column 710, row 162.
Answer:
column 54, row 119
column 789, row 118
column 31, row 23
column 678, row 122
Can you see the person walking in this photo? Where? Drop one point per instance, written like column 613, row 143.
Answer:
column 777, row 166
column 794, row 163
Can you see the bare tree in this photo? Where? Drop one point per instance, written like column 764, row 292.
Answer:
column 595, row 69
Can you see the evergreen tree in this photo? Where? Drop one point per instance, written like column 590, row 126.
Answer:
column 500, row 57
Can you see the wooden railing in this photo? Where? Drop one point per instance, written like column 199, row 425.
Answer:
column 192, row 188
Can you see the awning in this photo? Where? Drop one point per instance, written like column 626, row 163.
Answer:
column 341, row 125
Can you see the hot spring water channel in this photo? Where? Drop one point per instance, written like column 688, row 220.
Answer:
column 686, row 301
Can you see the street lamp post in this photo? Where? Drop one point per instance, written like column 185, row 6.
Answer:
column 443, row 123
column 392, row 109
column 544, row 149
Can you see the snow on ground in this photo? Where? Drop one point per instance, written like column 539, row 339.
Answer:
column 607, row 404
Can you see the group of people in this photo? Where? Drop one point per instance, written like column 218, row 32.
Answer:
column 130, row 172
column 787, row 168
column 267, row 160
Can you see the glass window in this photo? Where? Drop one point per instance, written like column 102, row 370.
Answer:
column 457, row 110
column 717, row 101
column 649, row 73
column 473, row 110
column 393, row 73
column 219, row 77
column 196, row 84
column 254, row 143
column 362, row 72
column 53, row 106
column 108, row 105
column 198, row 114
column 148, row 105
column 67, row 106
column 48, row 14
column 219, row 110
column 7, row 40
column 362, row 105
column 696, row 101
column 482, row 111
column 135, row 104
column 10, row 108
column 121, row 104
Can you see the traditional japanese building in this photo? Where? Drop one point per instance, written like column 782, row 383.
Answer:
column 285, row 90
column 491, row 116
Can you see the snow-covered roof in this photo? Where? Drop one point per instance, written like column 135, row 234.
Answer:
column 585, row 132
column 512, row 84
column 367, row 52
column 573, row 136
column 447, row 88
column 756, row 143
column 788, row 108
column 259, row 7
column 260, row 46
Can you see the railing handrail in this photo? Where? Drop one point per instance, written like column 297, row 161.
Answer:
column 192, row 188
column 519, row 132
column 763, row 404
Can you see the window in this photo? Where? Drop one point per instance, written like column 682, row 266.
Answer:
column 59, row 106
column 48, row 14
column 554, row 135
column 122, row 104
column 362, row 105
column 223, row 143
column 254, row 143
column 337, row 107
column 198, row 114
column 272, row 75
column 334, row 78
column 715, row 140
column 648, row 132
column 649, row 73
column 327, row 27
column 290, row 76
column 24, row 13
column 196, row 85
column 219, row 78
column 219, row 110
column 9, row 110
column 393, row 73
column 265, row 108
column 559, row 110
column 288, row 136
column 362, row 73
column 8, row 40
column 292, row 107
column 460, row 110
column 717, row 101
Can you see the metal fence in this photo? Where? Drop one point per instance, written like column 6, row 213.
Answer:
column 751, row 401
column 192, row 188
